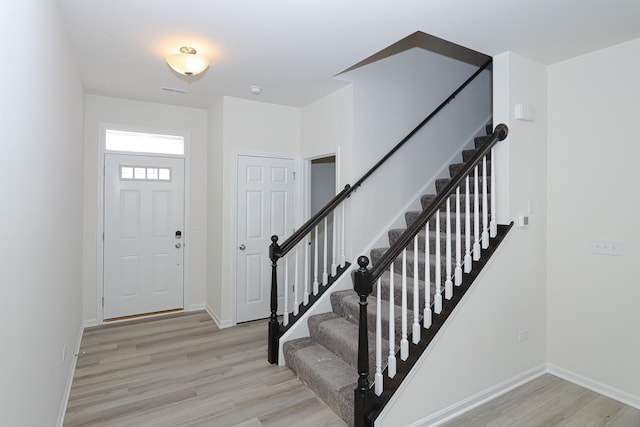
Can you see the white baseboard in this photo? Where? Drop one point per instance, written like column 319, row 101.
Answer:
column 196, row 307
column 72, row 371
column 596, row 386
column 221, row 324
column 480, row 398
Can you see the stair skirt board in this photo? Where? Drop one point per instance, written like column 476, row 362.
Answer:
column 325, row 355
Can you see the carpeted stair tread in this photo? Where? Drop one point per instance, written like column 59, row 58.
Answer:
column 442, row 182
column 340, row 336
column 290, row 347
column 330, row 377
column 347, row 304
column 454, row 168
column 468, row 154
column 411, row 216
column 426, row 199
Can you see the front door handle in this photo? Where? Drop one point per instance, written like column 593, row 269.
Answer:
column 242, row 247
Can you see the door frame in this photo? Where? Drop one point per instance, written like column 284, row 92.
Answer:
column 297, row 212
column 307, row 179
column 103, row 126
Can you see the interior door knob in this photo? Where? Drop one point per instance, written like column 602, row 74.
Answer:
column 242, row 247
column 178, row 245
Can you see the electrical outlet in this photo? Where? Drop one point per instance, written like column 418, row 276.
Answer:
column 523, row 335
column 606, row 247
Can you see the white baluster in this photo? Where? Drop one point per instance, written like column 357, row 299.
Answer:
column 296, row 285
column 285, row 311
column 476, row 217
column 427, row 280
column 415, row 334
column 404, row 342
column 458, row 271
column 334, row 266
column 485, row 206
column 325, row 274
column 343, row 259
column 493, row 225
column 315, row 262
column 437, row 303
column 391, row 360
column 467, row 229
column 378, row 378
column 305, row 295
column 448, row 284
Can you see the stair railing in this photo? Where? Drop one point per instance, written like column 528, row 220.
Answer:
column 369, row 400
column 308, row 284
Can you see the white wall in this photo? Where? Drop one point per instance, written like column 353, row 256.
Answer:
column 41, row 193
column 100, row 109
column 593, row 147
column 327, row 127
column 247, row 127
column 480, row 350
column 391, row 97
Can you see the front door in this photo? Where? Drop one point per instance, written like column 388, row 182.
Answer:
column 265, row 208
column 143, row 234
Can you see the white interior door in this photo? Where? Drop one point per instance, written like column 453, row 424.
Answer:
column 265, row 207
column 143, row 234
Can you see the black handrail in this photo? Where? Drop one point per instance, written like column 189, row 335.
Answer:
column 501, row 131
column 306, row 228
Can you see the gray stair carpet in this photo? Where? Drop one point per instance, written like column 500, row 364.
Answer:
column 327, row 360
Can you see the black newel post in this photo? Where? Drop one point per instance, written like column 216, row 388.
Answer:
column 274, row 327
column 363, row 285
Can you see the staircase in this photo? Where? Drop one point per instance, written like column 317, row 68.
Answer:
column 327, row 360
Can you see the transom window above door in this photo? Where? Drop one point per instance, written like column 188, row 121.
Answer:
column 142, row 142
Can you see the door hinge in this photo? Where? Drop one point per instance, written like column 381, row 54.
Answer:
column 104, row 170
column 294, row 176
column 103, row 236
column 102, row 302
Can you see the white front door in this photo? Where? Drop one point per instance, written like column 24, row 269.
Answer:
column 265, row 207
column 143, row 234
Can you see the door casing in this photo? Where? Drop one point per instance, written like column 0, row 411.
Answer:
column 100, row 207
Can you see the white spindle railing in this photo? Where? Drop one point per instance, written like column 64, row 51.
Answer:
column 415, row 333
column 378, row 377
column 468, row 248
column 476, row 216
column 485, row 206
column 467, row 228
column 427, row 279
column 448, row 284
column 313, row 262
column 391, row 360
column 437, row 298
column 458, row 270
column 493, row 225
column 325, row 259
column 404, row 342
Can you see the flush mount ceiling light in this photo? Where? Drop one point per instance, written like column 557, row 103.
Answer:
column 188, row 62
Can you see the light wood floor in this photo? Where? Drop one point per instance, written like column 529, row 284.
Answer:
column 181, row 370
column 550, row 401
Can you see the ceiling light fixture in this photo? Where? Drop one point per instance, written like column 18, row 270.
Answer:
column 188, row 62
column 255, row 89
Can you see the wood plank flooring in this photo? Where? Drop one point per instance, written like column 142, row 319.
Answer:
column 181, row 370
column 550, row 401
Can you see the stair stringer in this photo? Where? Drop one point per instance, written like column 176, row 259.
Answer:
column 323, row 305
column 433, row 408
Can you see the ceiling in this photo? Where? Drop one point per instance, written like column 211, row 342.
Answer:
column 293, row 48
